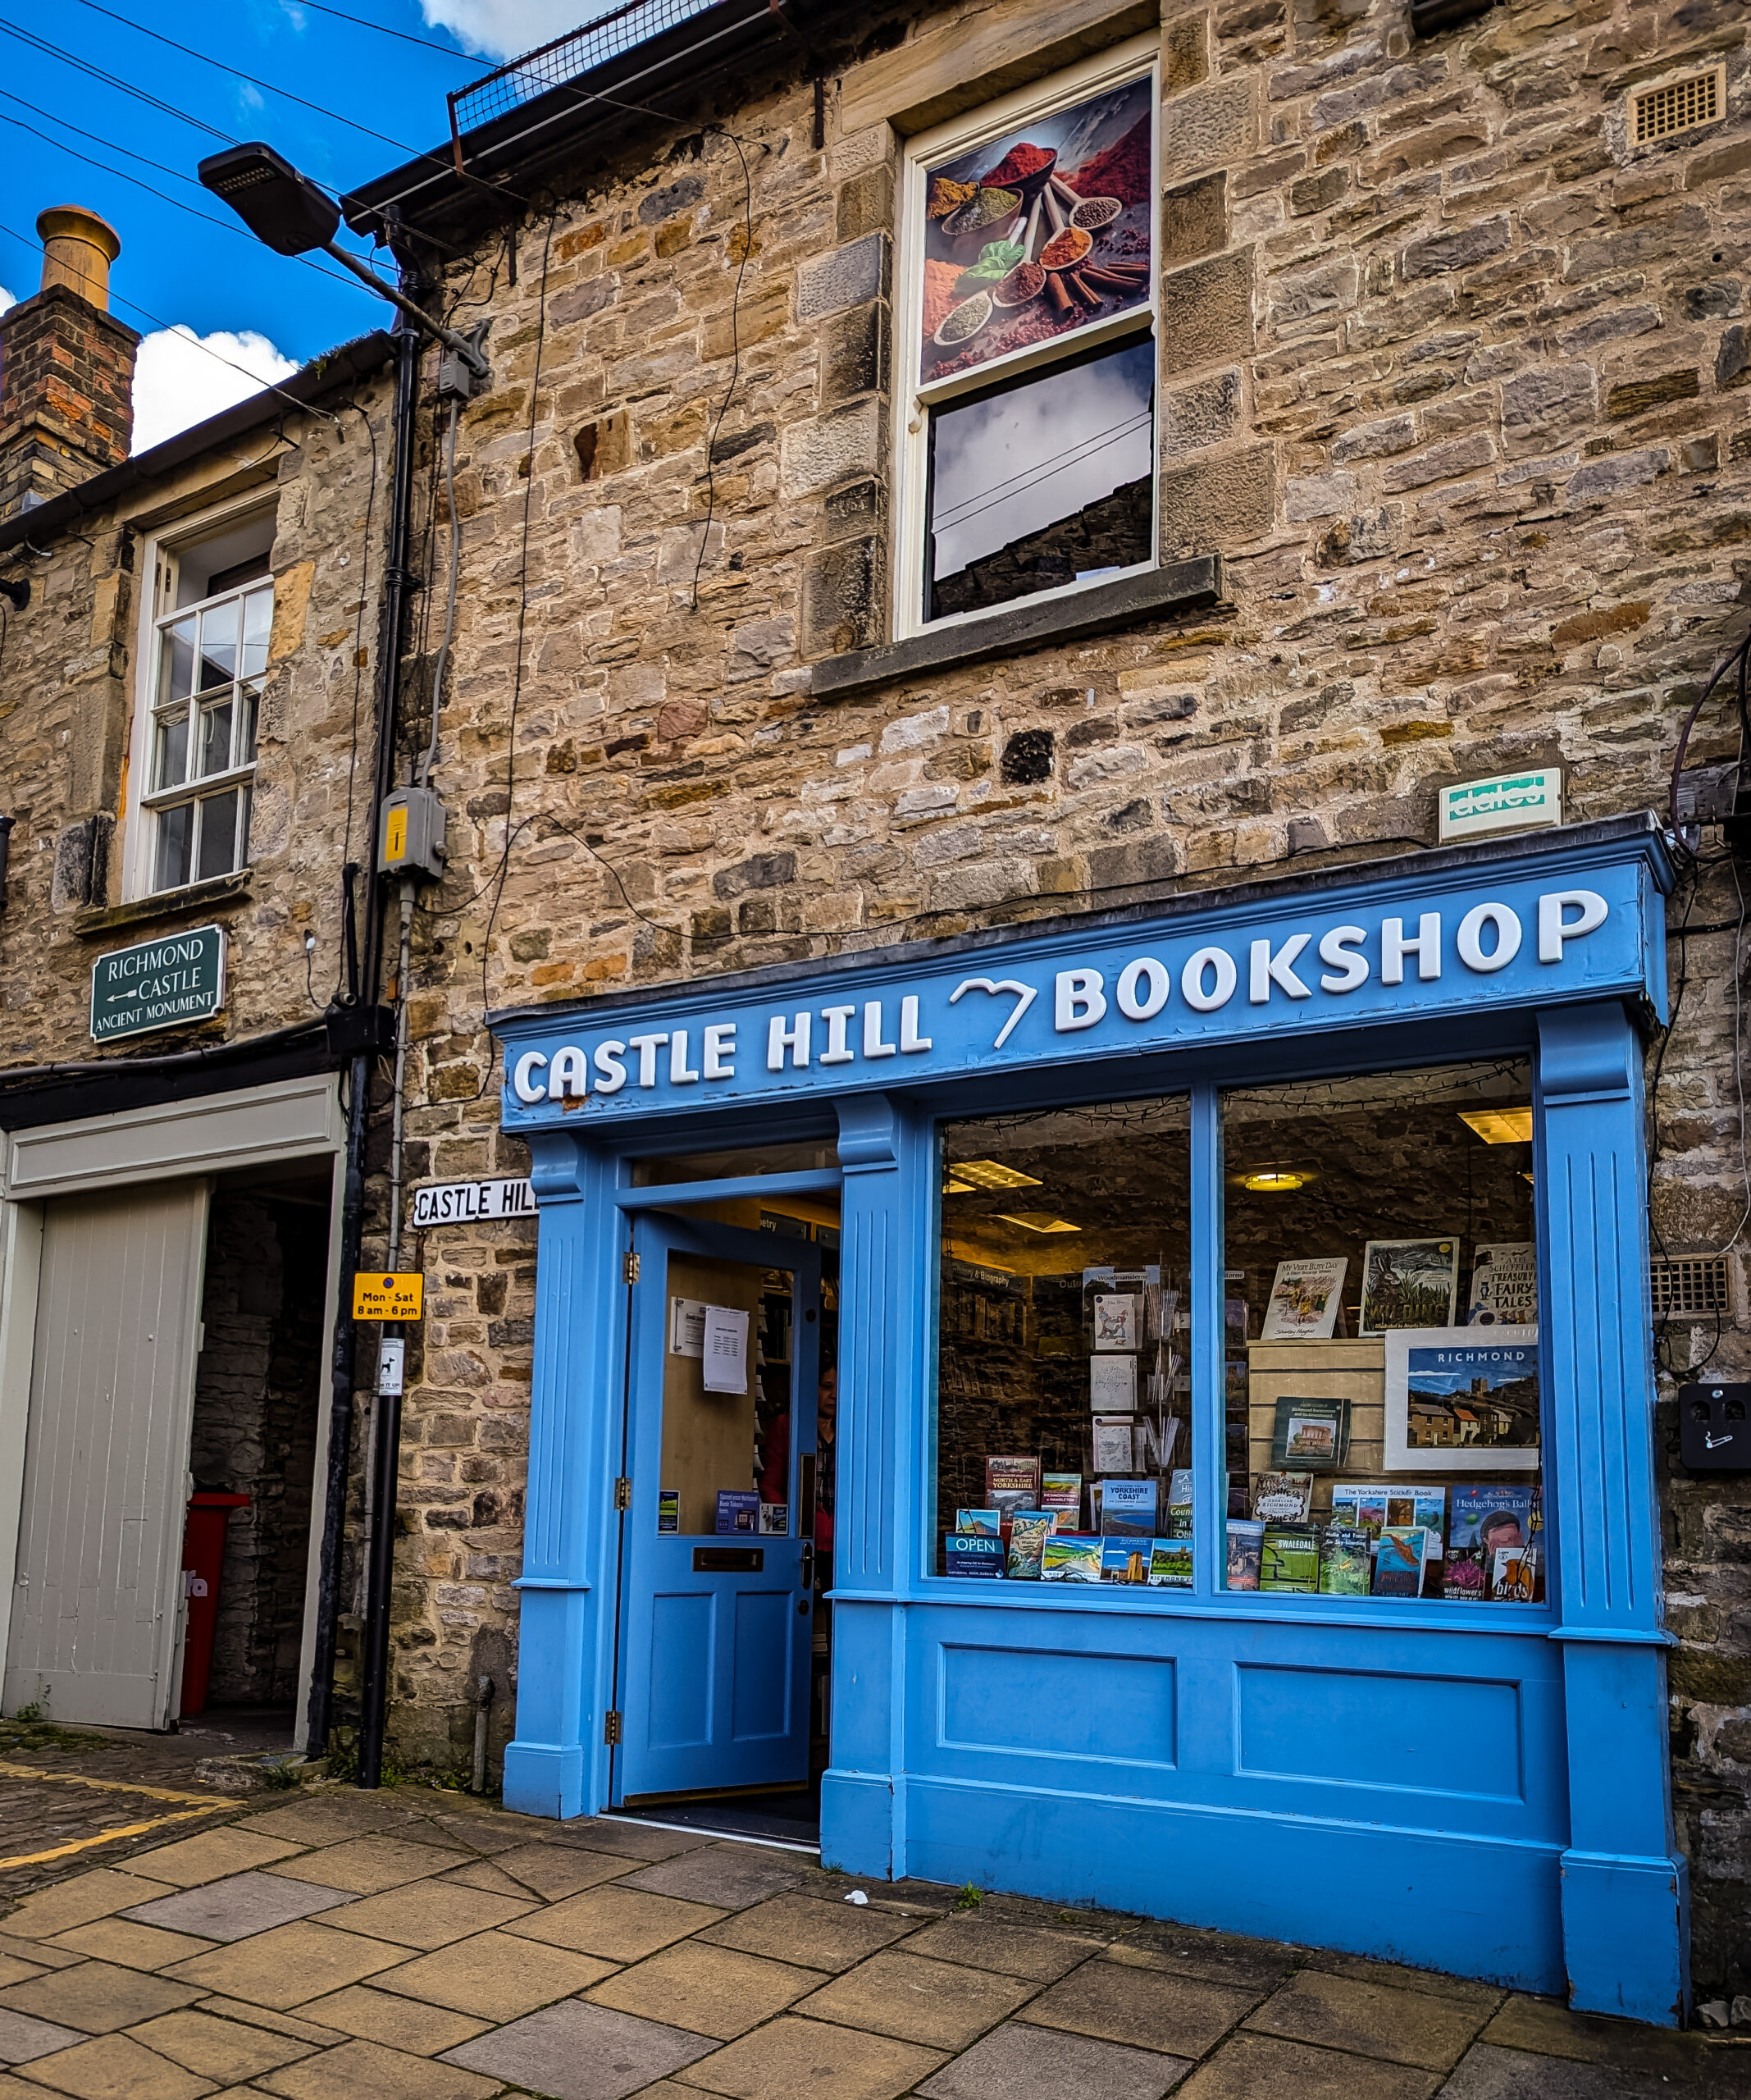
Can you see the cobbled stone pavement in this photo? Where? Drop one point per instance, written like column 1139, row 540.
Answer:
column 411, row 1944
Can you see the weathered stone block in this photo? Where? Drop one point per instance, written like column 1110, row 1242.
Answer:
column 1214, row 126
column 1376, row 440
column 1317, row 496
column 1602, row 479
column 847, row 276
column 840, row 612
column 1457, row 250
column 1317, row 193
column 1194, row 219
column 1635, row 397
column 865, row 204
column 1214, row 504
column 1546, row 400
column 854, row 354
column 1732, row 359
column 577, row 304
column 1440, row 462
column 1196, row 417
column 830, row 448
column 672, row 197
column 1207, row 312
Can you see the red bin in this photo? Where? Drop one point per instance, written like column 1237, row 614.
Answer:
column 203, row 1561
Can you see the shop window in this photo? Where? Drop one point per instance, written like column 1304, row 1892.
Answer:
column 1063, row 1418
column 206, row 662
column 1029, row 420
column 1383, row 1396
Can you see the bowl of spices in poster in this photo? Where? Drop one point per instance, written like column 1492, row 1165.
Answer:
column 1024, row 283
column 1066, row 248
column 1094, row 212
column 963, row 322
column 982, row 216
column 1025, row 168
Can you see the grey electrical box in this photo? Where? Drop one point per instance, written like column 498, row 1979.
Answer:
column 412, row 839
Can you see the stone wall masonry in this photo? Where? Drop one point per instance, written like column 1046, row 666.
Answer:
column 67, row 689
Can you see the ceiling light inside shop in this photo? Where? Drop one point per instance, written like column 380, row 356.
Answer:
column 1038, row 1221
column 992, row 1173
column 1500, row 1126
column 1274, row 1181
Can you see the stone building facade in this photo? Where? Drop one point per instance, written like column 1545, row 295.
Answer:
column 1454, row 377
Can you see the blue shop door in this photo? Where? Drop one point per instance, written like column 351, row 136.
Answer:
column 717, row 1547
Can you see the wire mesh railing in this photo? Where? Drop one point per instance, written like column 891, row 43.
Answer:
column 567, row 58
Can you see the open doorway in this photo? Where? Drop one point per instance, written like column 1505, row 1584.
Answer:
column 252, row 1457
column 746, row 1760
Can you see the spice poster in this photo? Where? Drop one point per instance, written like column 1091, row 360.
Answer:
column 1037, row 233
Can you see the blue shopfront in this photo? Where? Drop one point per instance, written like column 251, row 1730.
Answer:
column 1174, row 1386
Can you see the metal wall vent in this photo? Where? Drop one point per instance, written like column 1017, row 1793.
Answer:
column 1691, row 1286
column 1657, row 113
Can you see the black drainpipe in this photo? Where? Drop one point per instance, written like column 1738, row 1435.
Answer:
column 362, row 1041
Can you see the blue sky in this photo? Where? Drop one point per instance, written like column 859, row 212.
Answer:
column 264, row 310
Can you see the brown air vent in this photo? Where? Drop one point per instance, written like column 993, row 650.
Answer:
column 1656, row 113
column 1689, row 1286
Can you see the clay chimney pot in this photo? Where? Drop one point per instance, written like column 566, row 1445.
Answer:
column 78, row 248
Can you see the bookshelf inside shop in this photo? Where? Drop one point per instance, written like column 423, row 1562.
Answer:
column 1380, row 1390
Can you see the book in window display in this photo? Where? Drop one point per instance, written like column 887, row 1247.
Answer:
column 1309, row 1434
column 1515, row 1575
column 1398, row 1557
column 1285, row 1498
column 1246, row 1548
column 1112, row 1384
column 1070, row 1557
column 1114, row 1444
column 1459, row 1402
column 1118, row 1321
column 1346, row 1560
column 1289, row 1558
column 1127, row 1508
column 1170, row 1563
column 1029, row 1529
column 1504, row 1285
column 983, row 1524
column 1488, row 1518
column 1061, row 1496
column 1409, row 1283
column 1305, row 1298
column 1125, row 1560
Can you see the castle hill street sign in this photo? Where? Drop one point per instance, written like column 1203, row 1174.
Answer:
column 165, row 983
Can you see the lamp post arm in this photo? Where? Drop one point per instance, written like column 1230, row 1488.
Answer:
column 470, row 353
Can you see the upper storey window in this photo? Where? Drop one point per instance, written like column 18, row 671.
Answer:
column 1028, row 333
column 207, row 659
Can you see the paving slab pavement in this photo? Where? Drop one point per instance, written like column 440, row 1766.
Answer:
column 414, row 1945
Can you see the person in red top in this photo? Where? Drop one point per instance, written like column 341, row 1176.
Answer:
column 775, row 1475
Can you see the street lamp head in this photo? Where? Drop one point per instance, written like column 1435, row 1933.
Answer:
column 283, row 210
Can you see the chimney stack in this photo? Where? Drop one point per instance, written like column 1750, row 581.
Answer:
column 66, row 368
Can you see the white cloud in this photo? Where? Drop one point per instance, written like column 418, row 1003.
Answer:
column 505, row 28
column 179, row 379
column 6, row 300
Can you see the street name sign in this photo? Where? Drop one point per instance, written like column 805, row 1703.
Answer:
column 164, row 983
column 466, row 1202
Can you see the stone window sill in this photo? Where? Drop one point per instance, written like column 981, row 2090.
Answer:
column 1176, row 588
column 99, row 921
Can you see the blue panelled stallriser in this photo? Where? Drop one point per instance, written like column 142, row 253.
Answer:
column 1458, row 1787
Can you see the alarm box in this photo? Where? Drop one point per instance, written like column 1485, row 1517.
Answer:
column 1714, row 1428
column 412, row 840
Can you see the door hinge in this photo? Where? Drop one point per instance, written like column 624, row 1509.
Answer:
column 611, row 1727
column 629, row 1267
column 623, row 1493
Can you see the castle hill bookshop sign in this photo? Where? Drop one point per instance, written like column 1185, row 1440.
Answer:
column 165, row 983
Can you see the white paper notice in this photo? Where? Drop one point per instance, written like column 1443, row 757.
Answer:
column 688, row 1327
column 725, row 1350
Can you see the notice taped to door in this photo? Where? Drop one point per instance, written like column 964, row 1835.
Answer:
column 686, row 1327
column 725, row 1350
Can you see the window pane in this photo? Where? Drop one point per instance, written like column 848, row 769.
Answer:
column 175, row 828
column 249, row 702
column 1037, row 232
column 1063, row 1429
column 1383, row 1385
column 246, row 803
column 170, row 761
column 215, row 738
column 176, row 662
column 1042, row 483
column 218, row 846
column 218, row 645
column 258, row 618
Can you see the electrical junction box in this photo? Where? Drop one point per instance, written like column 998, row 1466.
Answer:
column 1714, row 1434
column 412, row 840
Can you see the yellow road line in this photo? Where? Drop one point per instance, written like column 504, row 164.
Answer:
column 111, row 1837
column 109, row 1786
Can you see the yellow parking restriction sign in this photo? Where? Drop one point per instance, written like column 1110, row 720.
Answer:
column 379, row 1295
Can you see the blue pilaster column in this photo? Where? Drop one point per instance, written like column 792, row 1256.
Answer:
column 555, row 1764
column 884, row 1150
column 1625, row 1897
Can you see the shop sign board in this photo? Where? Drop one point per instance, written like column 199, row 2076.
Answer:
column 1531, row 800
column 164, row 983
column 378, row 1294
column 470, row 1202
column 1536, row 928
